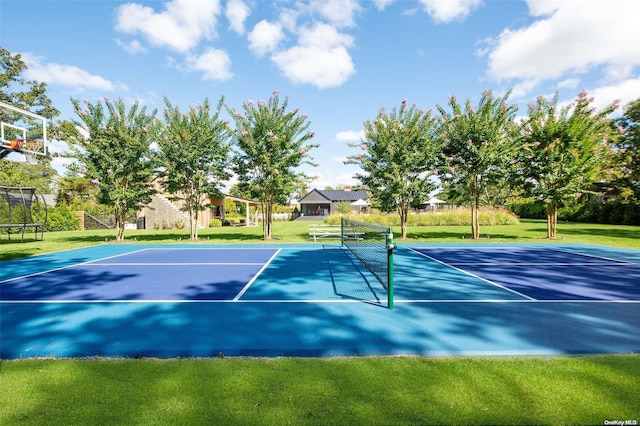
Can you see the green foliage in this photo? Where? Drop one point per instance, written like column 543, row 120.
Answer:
column 40, row 175
column 215, row 223
column 344, row 207
column 194, row 154
column 61, row 218
column 399, row 159
column 477, row 147
column 487, row 216
column 627, row 151
column 563, row 148
column 113, row 149
column 272, row 143
column 20, row 92
column 76, row 190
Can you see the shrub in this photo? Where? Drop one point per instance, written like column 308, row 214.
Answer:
column 61, row 218
column 215, row 223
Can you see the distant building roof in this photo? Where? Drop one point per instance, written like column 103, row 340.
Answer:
column 335, row 195
column 343, row 195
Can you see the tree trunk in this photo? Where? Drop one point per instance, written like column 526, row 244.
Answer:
column 552, row 220
column 193, row 226
column 404, row 214
column 268, row 219
column 120, row 219
column 475, row 220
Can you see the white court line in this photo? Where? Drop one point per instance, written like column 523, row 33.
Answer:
column 180, row 264
column 473, row 275
column 95, row 262
column 537, row 264
column 593, row 256
column 251, row 281
column 372, row 301
column 70, row 266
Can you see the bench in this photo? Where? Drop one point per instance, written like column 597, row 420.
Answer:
column 324, row 231
column 331, row 231
column 17, row 208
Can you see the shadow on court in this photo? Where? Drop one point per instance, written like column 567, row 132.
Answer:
column 270, row 322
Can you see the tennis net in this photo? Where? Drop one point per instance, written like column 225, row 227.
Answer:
column 373, row 246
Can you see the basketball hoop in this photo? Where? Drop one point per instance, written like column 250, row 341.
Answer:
column 31, row 149
column 16, row 144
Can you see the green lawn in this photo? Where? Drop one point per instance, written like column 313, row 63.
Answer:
column 340, row 391
column 528, row 231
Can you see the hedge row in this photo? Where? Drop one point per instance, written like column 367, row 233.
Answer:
column 612, row 213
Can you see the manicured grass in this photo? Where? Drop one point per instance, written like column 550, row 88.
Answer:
column 528, row 231
column 340, row 391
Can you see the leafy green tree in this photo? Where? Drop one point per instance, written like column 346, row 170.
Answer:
column 627, row 150
column 112, row 146
column 194, row 154
column 20, row 92
column 32, row 96
column 40, row 175
column 477, row 147
column 399, row 159
column 272, row 142
column 563, row 148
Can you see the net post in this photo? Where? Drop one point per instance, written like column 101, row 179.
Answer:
column 341, row 231
column 390, row 247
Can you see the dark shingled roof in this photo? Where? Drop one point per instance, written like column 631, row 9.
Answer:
column 342, row 195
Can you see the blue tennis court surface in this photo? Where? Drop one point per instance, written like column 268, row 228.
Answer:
column 318, row 300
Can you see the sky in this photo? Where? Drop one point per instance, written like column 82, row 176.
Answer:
column 339, row 61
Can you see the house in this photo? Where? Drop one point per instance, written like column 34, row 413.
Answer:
column 164, row 212
column 322, row 203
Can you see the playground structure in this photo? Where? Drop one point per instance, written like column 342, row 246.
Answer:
column 22, row 209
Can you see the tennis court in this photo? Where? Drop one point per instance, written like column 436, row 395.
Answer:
column 319, row 300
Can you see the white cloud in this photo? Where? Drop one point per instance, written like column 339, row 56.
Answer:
column 133, row 47
column 570, row 38
column 65, row 75
column 350, row 135
column 382, row 4
column 569, row 83
column 214, row 64
column 328, row 179
column 180, row 26
column 340, row 13
column 264, row 37
column 444, row 11
column 321, row 57
column 237, row 12
column 625, row 91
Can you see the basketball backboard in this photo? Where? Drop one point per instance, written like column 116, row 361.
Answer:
column 22, row 131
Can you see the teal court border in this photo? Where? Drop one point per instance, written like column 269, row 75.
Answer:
column 297, row 308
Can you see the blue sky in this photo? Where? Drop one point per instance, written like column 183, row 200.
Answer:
column 339, row 61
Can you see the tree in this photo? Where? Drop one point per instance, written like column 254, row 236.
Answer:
column 563, row 148
column 627, row 149
column 194, row 157
column 19, row 92
column 399, row 160
column 40, row 174
column 477, row 147
column 271, row 144
column 112, row 146
column 32, row 96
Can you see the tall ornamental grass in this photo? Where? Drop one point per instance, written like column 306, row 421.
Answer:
column 459, row 216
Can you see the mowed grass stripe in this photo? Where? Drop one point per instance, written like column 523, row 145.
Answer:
column 301, row 391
